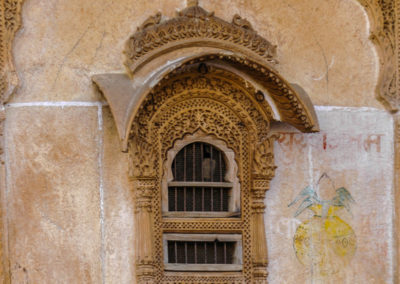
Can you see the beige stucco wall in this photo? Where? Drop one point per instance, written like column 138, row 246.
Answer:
column 69, row 209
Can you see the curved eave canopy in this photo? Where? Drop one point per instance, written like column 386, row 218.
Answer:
column 125, row 94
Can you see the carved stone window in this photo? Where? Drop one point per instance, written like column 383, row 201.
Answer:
column 200, row 179
column 198, row 80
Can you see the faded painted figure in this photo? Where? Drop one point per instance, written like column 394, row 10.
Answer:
column 324, row 243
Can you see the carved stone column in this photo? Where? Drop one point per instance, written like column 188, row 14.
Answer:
column 263, row 172
column 144, row 190
column 142, row 172
column 259, row 242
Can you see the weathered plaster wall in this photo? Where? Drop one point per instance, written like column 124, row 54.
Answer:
column 322, row 45
column 358, row 155
column 69, row 211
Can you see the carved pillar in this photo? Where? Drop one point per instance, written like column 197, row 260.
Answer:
column 259, row 242
column 263, row 172
column 144, row 190
column 142, row 172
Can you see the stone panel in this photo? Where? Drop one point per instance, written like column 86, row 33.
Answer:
column 53, row 194
column 355, row 148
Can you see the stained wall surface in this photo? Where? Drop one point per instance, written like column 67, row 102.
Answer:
column 68, row 201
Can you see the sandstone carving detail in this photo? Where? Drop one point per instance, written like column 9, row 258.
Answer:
column 10, row 22
column 382, row 14
column 218, row 105
column 190, row 25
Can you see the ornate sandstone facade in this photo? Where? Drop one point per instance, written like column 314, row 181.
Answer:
column 236, row 65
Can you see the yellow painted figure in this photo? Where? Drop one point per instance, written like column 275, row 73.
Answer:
column 325, row 243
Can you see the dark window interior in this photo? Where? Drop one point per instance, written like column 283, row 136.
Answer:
column 199, row 163
column 198, row 252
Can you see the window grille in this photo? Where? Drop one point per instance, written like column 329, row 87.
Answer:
column 200, row 162
column 199, row 184
column 203, row 252
column 200, row 252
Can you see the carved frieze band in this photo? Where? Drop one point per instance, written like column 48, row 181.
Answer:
column 382, row 14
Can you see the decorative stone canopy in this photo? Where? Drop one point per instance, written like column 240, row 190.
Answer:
column 160, row 46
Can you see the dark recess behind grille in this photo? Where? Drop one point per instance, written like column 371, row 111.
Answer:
column 191, row 199
column 201, row 252
column 199, row 162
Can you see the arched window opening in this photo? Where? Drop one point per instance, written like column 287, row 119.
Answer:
column 199, row 183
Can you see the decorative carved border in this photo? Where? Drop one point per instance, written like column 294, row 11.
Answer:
column 219, row 105
column 10, row 22
column 191, row 26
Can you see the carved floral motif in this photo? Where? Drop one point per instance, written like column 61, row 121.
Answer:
column 263, row 162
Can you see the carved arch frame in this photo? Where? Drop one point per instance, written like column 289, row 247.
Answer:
column 186, row 103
